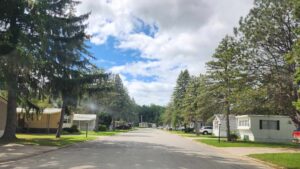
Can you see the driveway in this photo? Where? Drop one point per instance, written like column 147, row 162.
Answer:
column 139, row 149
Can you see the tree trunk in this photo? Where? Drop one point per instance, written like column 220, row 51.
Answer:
column 11, row 119
column 228, row 121
column 113, row 124
column 197, row 127
column 61, row 121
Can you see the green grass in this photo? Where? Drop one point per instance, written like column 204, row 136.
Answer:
column 223, row 143
column 181, row 133
column 50, row 140
column 105, row 133
column 286, row 160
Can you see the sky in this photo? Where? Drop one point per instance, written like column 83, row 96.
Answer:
column 148, row 42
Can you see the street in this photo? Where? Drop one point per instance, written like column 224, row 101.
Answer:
column 139, row 149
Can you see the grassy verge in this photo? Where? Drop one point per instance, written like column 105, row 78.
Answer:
column 223, row 143
column 286, row 160
column 105, row 133
column 213, row 141
column 50, row 140
column 181, row 133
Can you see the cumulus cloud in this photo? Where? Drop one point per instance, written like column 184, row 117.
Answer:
column 184, row 35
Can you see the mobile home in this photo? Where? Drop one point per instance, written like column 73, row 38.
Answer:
column 85, row 121
column 47, row 121
column 219, row 125
column 265, row 128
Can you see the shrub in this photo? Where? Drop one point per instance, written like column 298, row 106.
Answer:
column 189, row 130
column 74, row 129
column 234, row 137
column 102, row 128
column 71, row 130
column 124, row 127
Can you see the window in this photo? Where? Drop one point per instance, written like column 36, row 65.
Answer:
column 66, row 119
column 244, row 123
column 269, row 124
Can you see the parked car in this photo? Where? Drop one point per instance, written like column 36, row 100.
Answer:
column 181, row 128
column 296, row 135
column 206, row 130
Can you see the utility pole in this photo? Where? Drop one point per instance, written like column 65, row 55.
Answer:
column 86, row 129
column 219, row 132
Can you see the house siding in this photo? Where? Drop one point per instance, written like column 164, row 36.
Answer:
column 221, row 119
column 255, row 133
column 45, row 121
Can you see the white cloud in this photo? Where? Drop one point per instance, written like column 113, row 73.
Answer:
column 188, row 31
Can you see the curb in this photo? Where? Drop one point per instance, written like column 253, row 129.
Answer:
column 266, row 163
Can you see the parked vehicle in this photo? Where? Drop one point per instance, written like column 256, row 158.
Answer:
column 296, row 136
column 206, row 130
column 181, row 128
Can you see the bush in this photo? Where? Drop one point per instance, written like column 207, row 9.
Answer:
column 102, row 128
column 71, row 130
column 233, row 137
column 188, row 130
column 124, row 127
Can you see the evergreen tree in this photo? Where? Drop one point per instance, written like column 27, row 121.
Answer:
column 167, row 114
column 294, row 57
column 118, row 102
column 19, row 46
column 64, row 56
column 224, row 73
column 189, row 100
column 269, row 31
column 178, row 95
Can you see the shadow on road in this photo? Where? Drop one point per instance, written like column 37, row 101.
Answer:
column 129, row 153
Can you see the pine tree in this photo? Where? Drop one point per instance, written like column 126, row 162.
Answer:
column 19, row 43
column 118, row 101
column 178, row 95
column 64, row 56
column 189, row 104
column 270, row 32
column 224, row 73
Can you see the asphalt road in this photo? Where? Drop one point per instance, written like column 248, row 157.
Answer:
column 139, row 149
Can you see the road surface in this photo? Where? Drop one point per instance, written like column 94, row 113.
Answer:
column 139, row 149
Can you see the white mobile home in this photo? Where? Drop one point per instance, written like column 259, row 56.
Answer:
column 83, row 121
column 265, row 128
column 219, row 122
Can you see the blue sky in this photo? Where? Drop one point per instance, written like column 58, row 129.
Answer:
column 108, row 55
column 149, row 42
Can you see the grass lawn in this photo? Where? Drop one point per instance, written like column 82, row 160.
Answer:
column 286, row 160
column 181, row 133
column 105, row 133
column 50, row 140
column 223, row 143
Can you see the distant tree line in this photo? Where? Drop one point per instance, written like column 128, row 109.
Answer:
column 256, row 71
column 150, row 113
